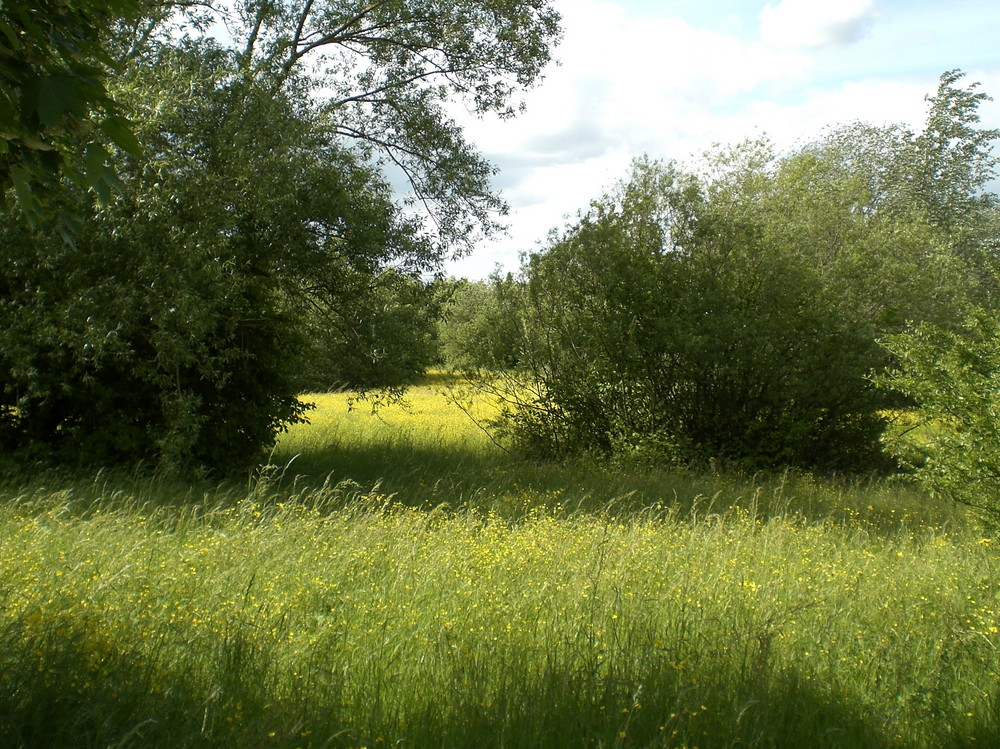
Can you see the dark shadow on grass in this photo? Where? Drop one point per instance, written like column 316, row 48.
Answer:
column 63, row 696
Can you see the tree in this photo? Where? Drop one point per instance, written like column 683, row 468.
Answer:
column 478, row 328
column 56, row 115
column 954, row 159
column 682, row 325
column 386, row 73
column 947, row 368
column 175, row 328
column 939, row 175
column 381, row 335
column 736, row 313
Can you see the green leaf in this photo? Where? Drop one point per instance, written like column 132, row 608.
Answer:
column 69, row 227
column 102, row 188
column 98, row 174
column 95, row 164
column 22, row 183
column 10, row 35
column 22, row 179
column 58, row 96
column 118, row 129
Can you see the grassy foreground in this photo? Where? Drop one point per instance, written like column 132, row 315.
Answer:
column 469, row 600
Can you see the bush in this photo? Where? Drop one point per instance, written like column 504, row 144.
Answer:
column 734, row 317
column 953, row 441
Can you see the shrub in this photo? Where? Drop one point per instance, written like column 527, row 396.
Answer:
column 953, row 377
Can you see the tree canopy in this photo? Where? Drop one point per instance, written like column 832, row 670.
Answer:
column 384, row 75
column 258, row 231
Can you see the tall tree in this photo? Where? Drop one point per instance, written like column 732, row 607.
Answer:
column 386, row 73
column 172, row 330
column 56, row 116
column 939, row 174
column 954, row 157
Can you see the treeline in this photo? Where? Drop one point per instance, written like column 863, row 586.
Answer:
column 198, row 225
column 196, row 231
column 766, row 310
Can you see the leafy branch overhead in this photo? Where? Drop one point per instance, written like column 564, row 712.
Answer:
column 385, row 75
column 56, row 116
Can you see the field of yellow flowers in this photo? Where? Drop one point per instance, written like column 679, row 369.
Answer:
column 397, row 580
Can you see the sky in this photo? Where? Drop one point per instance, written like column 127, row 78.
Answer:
column 672, row 78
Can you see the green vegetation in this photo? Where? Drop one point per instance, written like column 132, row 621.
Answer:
column 406, row 570
column 952, row 441
column 548, row 608
column 256, row 246
column 56, row 115
column 479, row 326
column 737, row 311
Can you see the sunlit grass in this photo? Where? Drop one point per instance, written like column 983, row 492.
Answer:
column 404, row 582
column 429, row 452
column 337, row 618
column 427, row 438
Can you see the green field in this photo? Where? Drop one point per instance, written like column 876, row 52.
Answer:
column 398, row 580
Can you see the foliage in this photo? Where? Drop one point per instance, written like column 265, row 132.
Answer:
column 385, row 74
column 171, row 330
column 478, row 329
column 953, row 377
column 734, row 313
column 955, row 158
column 56, row 115
column 941, row 173
column 380, row 335
column 174, row 328
column 703, row 337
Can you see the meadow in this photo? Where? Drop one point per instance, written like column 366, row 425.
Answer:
column 396, row 579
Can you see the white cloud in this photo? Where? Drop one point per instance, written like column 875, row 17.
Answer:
column 628, row 85
column 625, row 86
column 816, row 23
column 638, row 84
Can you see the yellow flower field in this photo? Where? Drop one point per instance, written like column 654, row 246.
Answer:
column 548, row 607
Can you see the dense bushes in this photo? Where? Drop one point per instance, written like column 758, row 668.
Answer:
column 171, row 330
column 736, row 312
column 952, row 440
column 708, row 337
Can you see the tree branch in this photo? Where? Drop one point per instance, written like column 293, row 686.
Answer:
column 254, row 33
column 295, row 54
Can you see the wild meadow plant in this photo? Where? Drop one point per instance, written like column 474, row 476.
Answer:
column 432, row 449
column 769, row 612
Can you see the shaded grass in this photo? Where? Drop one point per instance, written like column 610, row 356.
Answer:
column 337, row 618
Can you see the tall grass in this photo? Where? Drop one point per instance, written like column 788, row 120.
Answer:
column 553, row 606
column 428, row 452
